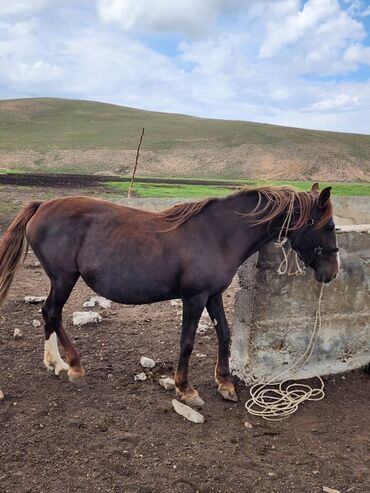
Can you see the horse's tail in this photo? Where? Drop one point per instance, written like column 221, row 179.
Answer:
column 12, row 247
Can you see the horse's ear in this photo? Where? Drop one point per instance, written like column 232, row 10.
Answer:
column 324, row 198
column 315, row 188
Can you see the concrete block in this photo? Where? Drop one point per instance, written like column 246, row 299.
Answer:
column 274, row 315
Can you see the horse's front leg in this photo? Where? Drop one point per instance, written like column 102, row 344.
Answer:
column 224, row 380
column 191, row 313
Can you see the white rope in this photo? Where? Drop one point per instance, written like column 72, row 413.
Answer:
column 277, row 399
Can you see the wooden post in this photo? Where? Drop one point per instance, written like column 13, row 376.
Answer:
column 136, row 160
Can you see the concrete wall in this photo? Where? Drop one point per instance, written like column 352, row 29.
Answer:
column 347, row 210
column 274, row 315
column 351, row 210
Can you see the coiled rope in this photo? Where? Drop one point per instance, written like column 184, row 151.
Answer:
column 277, row 399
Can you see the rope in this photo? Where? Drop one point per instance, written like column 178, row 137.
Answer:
column 277, row 399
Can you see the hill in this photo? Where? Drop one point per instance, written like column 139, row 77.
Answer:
column 47, row 134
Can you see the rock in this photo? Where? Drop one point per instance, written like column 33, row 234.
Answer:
column 147, row 362
column 2, row 396
column 271, row 474
column 204, row 323
column 248, row 425
column 97, row 300
column 187, row 412
column 140, row 377
column 167, row 383
column 34, row 299
column 83, row 318
column 110, row 375
column 36, row 323
column 17, row 334
column 201, row 355
column 329, row 490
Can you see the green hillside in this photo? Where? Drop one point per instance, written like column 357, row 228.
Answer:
column 88, row 137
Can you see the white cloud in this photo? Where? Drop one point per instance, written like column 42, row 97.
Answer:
column 184, row 16
column 277, row 61
column 357, row 54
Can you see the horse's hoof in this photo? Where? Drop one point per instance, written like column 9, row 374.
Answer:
column 228, row 395
column 77, row 379
column 195, row 402
column 61, row 370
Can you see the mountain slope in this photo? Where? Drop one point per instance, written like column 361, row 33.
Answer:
column 83, row 136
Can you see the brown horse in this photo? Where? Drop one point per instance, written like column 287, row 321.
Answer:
column 190, row 251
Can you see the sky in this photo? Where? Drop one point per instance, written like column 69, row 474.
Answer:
column 288, row 62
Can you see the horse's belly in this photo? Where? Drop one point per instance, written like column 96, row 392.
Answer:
column 132, row 286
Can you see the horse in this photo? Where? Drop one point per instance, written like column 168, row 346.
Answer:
column 190, row 251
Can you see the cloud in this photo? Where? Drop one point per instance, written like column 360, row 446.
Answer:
column 183, row 16
column 284, row 61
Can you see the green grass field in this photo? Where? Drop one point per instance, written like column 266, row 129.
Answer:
column 169, row 189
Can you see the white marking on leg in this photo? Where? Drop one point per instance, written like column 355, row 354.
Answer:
column 52, row 359
column 214, row 322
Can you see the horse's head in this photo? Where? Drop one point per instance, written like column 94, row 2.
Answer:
column 315, row 242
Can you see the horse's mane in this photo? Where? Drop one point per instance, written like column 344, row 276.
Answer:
column 178, row 214
column 278, row 200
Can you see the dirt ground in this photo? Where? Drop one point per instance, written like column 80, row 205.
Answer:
column 116, row 434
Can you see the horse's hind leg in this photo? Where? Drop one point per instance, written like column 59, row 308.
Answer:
column 52, row 313
column 192, row 311
column 224, row 380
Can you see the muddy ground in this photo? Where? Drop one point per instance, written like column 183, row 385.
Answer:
column 116, row 434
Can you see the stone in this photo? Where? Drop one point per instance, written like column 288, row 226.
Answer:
column 248, row 425
column 204, row 323
column 83, row 318
column 201, row 355
column 326, row 489
column 17, row 334
column 2, row 396
column 147, row 362
column 167, row 383
column 36, row 323
column 97, row 300
column 175, row 302
column 34, row 299
column 187, row 412
column 140, row 377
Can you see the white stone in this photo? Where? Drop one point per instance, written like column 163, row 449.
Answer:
column 248, row 425
column 97, row 300
column 167, row 383
column 201, row 355
column 175, row 302
column 17, row 334
column 204, row 323
column 140, row 377
column 83, row 318
column 147, row 362
column 187, row 412
column 329, row 490
column 36, row 323
column 34, row 299
column 2, row 396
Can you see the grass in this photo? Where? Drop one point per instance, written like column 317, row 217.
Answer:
column 161, row 190
column 148, row 190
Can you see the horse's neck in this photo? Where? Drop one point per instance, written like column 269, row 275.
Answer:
column 237, row 232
